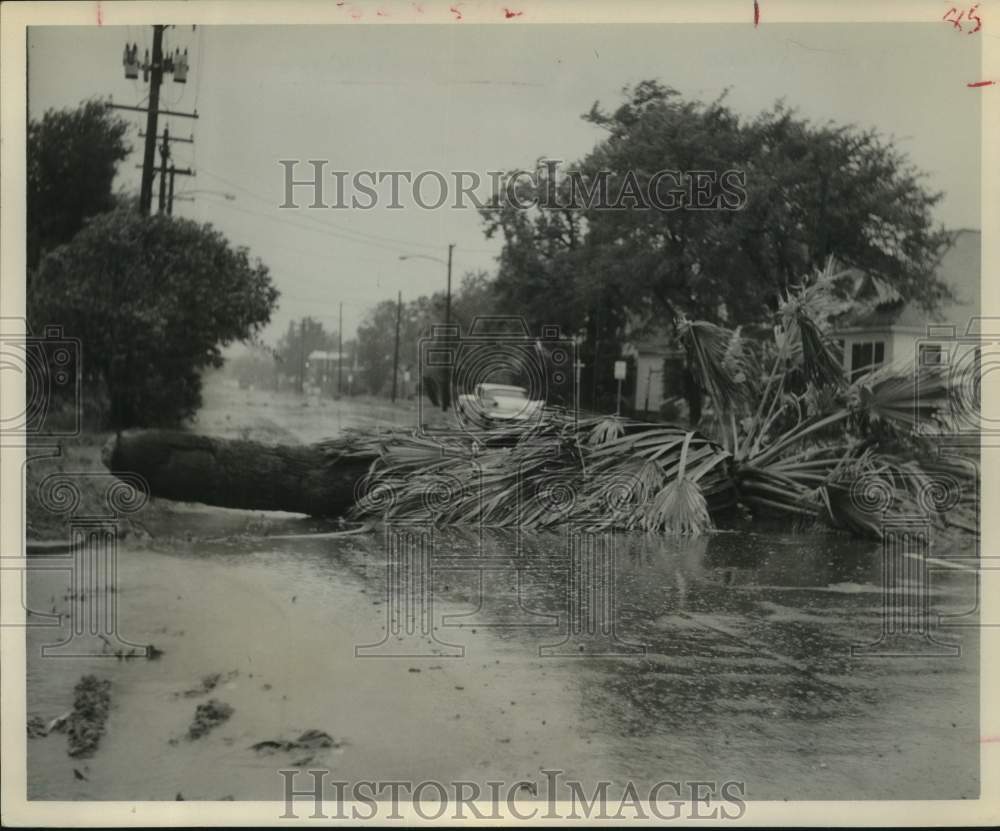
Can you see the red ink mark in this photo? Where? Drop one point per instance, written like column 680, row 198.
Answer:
column 956, row 22
column 982, row 84
column 985, row 739
column 456, row 12
column 509, row 14
column 974, row 16
column 100, row 15
column 380, row 13
column 756, row 13
column 418, row 7
column 954, row 16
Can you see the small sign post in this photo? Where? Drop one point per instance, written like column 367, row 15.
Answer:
column 620, row 370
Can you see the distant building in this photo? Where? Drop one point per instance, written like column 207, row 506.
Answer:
column 895, row 332
column 898, row 332
column 324, row 368
column 651, row 356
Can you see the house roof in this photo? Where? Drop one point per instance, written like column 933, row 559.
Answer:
column 960, row 270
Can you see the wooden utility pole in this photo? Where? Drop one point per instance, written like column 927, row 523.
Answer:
column 164, row 157
column 149, row 156
column 446, row 396
column 302, row 355
column 395, row 357
column 340, row 351
column 153, row 69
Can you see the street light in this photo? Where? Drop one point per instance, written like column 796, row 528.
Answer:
column 446, row 397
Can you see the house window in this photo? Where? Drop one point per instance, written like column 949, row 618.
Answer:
column 865, row 357
column 930, row 354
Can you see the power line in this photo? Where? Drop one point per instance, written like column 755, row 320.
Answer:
column 379, row 238
column 293, row 223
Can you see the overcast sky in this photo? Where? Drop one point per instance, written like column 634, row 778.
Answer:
column 482, row 98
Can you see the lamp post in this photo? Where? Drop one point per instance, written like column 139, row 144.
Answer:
column 446, row 396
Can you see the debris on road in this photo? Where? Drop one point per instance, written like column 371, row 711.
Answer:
column 85, row 725
column 310, row 740
column 207, row 716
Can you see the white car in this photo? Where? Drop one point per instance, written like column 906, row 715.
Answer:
column 492, row 403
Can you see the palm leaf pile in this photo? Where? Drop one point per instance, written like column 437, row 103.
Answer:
column 785, row 434
column 586, row 472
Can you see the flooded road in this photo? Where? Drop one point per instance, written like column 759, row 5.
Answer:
column 730, row 660
column 450, row 656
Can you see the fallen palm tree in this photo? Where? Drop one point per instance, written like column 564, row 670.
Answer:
column 785, row 435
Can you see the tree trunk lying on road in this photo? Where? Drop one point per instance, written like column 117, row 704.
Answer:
column 317, row 479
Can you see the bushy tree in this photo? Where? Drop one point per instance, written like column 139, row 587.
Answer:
column 474, row 297
column 72, row 158
column 153, row 300
column 300, row 339
column 812, row 191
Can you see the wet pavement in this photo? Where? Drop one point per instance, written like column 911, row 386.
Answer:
column 727, row 657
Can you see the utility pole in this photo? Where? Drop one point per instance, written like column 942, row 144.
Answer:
column 302, row 355
column 164, row 156
column 340, row 351
column 446, row 397
column 578, row 366
column 155, row 79
column 447, row 299
column 153, row 69
column 171, row 171
column 395, row 357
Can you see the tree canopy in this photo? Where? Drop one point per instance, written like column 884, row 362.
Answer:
column 811, row 191
column 153, row 300
column 473, row 297
column 72, row 158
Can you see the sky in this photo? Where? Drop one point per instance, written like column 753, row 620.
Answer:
column 480, row 98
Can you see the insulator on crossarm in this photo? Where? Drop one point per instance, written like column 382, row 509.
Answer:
column 130, row 62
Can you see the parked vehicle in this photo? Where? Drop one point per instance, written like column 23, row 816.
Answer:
column 492, row 403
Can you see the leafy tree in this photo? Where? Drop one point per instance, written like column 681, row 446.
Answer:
column 474, row 297
column 377, row 340
column 299, row 340
column 72, row 158
column 812, row 191
column 152, row 300
column 256, row 365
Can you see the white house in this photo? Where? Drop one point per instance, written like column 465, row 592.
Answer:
column 650, row 356
column 900, row 333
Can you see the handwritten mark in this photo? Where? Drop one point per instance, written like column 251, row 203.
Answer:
column 756, row 13
column 981, row 84
column 954, row 16
column 456, row 12
column 100, row 15
column 509, row 14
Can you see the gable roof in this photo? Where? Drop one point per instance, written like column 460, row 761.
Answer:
column 960, row 269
